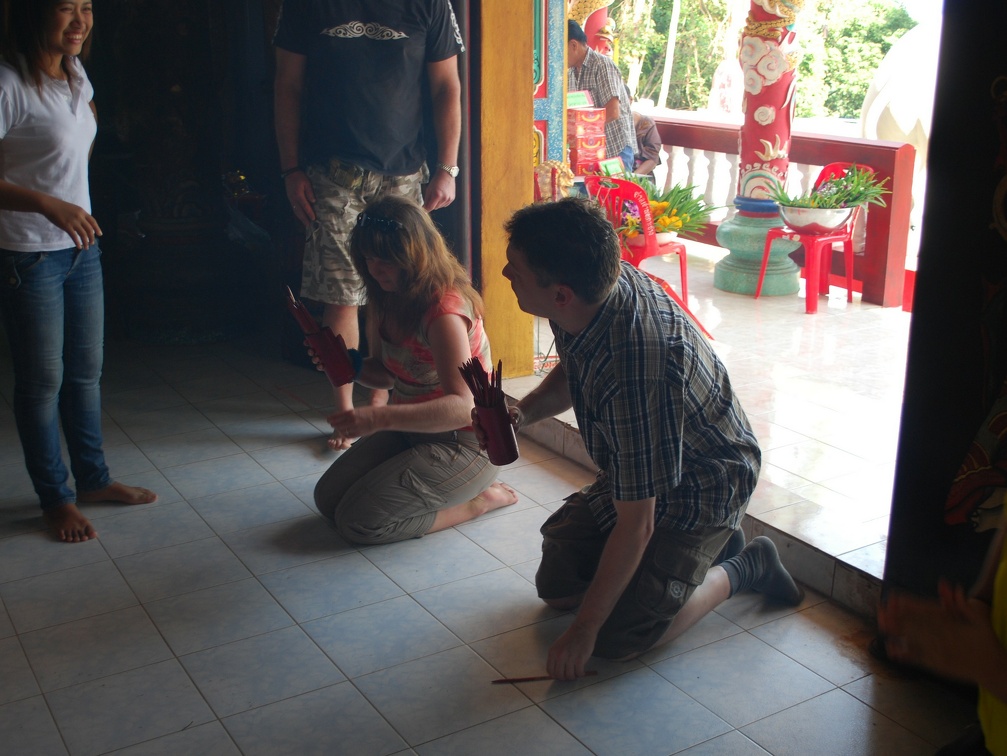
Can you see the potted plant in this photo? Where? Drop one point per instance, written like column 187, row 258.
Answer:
column 677, row 211
column 830, row 203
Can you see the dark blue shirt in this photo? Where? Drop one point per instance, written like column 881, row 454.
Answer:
column 365, row 75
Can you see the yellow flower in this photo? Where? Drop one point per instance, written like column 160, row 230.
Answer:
column 675, row 209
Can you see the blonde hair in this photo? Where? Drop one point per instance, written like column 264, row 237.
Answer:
column 398, row 231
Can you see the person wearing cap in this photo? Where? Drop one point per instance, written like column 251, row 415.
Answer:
column 596, row 73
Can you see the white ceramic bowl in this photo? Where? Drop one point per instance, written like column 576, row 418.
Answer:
column 815, row 220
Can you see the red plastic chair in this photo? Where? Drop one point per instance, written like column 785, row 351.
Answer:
column 818, row 247
column 613, row 194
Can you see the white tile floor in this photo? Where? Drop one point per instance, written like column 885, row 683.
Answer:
column 228, row 618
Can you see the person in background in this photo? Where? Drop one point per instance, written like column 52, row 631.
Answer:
column 597, row 74
column 417, row 467
column 961, row 636
column 350, row 78
column 677, row 459
column 52, row 298
column 648, row 145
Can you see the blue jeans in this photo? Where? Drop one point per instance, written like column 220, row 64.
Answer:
column 53, row 308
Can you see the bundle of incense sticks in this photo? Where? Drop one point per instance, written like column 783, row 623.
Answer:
column 485, row 387
column 491, row 409
column 329, row 347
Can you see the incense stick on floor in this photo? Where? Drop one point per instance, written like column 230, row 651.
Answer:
column 538, row 678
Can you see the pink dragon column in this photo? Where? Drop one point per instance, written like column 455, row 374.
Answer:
column 768, row 62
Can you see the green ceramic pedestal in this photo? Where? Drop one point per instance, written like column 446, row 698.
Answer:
column 745, row 237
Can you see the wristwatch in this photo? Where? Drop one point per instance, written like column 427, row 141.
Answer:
column 453, row 170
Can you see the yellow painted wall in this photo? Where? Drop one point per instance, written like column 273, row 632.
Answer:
column 504, row 151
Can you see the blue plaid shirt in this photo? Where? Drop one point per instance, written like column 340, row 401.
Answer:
column 657, row 413
column 599, row 76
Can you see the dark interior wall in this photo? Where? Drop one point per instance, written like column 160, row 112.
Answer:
column 184, row 92
column 197, row 76
column 252, row 147
column 952, row 457
column 455, row 221
column 178, row 268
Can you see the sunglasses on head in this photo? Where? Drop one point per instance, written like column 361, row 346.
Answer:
column 382, row 224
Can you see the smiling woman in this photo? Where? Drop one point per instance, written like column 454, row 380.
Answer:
column 52, row 298
column 68, row 31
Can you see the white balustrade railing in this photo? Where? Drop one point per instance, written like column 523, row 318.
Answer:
column 705, row 154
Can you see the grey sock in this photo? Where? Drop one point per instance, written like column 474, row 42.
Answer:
column 758, row 566
column 733, row 546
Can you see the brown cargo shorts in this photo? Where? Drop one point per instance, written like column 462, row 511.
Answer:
column 674, row 563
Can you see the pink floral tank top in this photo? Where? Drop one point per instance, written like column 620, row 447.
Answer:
column 412, row 361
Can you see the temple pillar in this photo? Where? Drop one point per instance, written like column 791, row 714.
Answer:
column 768, row 62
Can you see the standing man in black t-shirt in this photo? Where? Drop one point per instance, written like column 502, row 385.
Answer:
column 349, row 125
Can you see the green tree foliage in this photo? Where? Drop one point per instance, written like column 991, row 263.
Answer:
column 697, row 52
column 841, row 46
column 636, row 38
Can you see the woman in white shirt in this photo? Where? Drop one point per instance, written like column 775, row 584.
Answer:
column 51, row 295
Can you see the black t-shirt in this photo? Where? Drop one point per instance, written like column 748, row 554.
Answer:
column 364, row 76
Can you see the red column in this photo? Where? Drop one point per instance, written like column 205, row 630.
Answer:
column 768, row 63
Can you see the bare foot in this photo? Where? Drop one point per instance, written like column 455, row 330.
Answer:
column 118, row 492
column 497, row 496
column 337, row 442
column 69, row 525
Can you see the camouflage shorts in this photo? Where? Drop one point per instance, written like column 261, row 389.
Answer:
column 341, row 193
